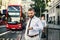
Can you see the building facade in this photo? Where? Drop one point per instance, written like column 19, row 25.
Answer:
column 54, row 11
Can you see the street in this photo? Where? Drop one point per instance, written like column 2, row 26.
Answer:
column 10, row 35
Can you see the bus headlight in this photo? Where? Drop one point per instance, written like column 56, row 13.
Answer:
column 19, row 25
column 7, row 25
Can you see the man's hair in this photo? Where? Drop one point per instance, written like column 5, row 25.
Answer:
column 30, row 9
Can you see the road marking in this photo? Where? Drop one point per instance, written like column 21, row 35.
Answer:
column 11, row 39
column 7, row 38
column 3, row 38
column 4, row 33
column 20, row 36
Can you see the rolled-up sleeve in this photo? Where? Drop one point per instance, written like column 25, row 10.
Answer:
column 38, row 26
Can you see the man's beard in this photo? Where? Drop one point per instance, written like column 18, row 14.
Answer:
column 31, row 16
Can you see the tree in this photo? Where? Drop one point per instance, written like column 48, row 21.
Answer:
column 39, row 6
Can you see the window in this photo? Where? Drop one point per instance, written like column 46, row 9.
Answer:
column 13, row 8
column 14, row 11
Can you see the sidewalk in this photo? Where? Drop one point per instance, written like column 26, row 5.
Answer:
column 54, row 32
column 53, row 26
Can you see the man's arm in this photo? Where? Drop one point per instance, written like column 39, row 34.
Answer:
column 39, row 25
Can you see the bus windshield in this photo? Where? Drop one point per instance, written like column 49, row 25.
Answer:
column 14, row 13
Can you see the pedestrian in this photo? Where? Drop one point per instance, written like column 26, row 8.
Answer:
column 0, row 15
column 33, row 26
column 0, row 18
column 44, row 25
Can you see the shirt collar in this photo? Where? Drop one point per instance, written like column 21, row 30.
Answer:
column 33, row 17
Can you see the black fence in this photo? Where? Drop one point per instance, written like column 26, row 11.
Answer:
column 53, row 34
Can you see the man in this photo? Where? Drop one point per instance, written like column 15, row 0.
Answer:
column 33, row 26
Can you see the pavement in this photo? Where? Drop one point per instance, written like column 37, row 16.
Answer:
column 53, row 26
column 53, row 32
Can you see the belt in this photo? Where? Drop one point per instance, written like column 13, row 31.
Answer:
column 33, row 35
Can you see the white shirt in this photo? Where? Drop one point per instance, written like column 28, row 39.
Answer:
column 44, row 23
column 36, row 24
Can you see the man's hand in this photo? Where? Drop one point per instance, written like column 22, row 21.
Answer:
column 30, row 28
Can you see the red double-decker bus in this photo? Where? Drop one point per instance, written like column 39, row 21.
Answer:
column 14, row 14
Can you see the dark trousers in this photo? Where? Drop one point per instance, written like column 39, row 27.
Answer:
column 44, row 33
